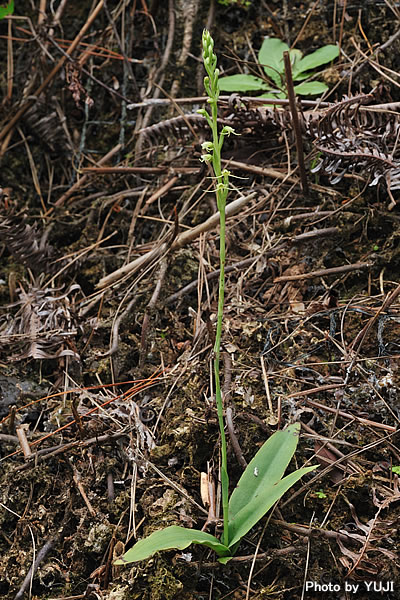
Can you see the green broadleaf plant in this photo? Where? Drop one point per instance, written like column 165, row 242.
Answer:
column 262, row 483
column 7, row 10
column 270, row 58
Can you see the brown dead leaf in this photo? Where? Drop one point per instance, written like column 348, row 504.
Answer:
column 291, row 291
column 326, row 458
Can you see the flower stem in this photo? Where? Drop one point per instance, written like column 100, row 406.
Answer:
column 214, row 154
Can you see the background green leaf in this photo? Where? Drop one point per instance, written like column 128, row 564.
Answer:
column 306, row 75
column 295, row 57
column 310, row 87
column 242, row 83
column 272, row 96
column 320, row 57
column 7, row 10
column 173, row 537
column 271, row 58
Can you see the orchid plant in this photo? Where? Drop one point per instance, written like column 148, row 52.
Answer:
column 262, row 483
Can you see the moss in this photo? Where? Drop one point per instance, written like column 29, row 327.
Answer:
column 98, row 537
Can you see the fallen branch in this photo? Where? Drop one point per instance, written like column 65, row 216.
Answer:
column 82, row 180
column 138, row 170
column 40, row 556
column 323, row 272
column 346, row 415
column 184, row 238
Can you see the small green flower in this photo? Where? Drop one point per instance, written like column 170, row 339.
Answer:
column 222, row 187
column 226, row 130
column 208, row 146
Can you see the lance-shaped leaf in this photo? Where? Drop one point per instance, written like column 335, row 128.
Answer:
column 261, row 484
column 173, row 537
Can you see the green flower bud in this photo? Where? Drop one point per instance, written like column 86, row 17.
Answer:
column 208, row 42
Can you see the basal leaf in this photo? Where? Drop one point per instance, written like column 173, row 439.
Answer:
column 310, row 87
column 224, row 559
column 241, row 83
column 269, row 465
column 7, row 10
column 320, row 57
column 271, row 58
column 260, row 504
column 173, row 537
column 261, row 484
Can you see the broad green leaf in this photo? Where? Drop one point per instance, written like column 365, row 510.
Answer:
column 173, row 537
column 270, row 463
column 271, row 58
column 241, row 83
column 7, row 10
column 310, row 87
column 320, row 57
column 260, row 504
column 224, row 559
column 258, row 486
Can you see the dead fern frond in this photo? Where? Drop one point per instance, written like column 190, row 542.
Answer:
column 43, row 325
column 177, row 128
column 26, row 244
column 351, row 136
column 236, row 114
column 46, row 124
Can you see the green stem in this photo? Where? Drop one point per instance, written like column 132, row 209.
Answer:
column 212, row 87
column 218, row 393
column 221, row 202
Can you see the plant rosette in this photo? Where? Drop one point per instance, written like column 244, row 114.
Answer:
column 260, row 486
column 270, row 58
